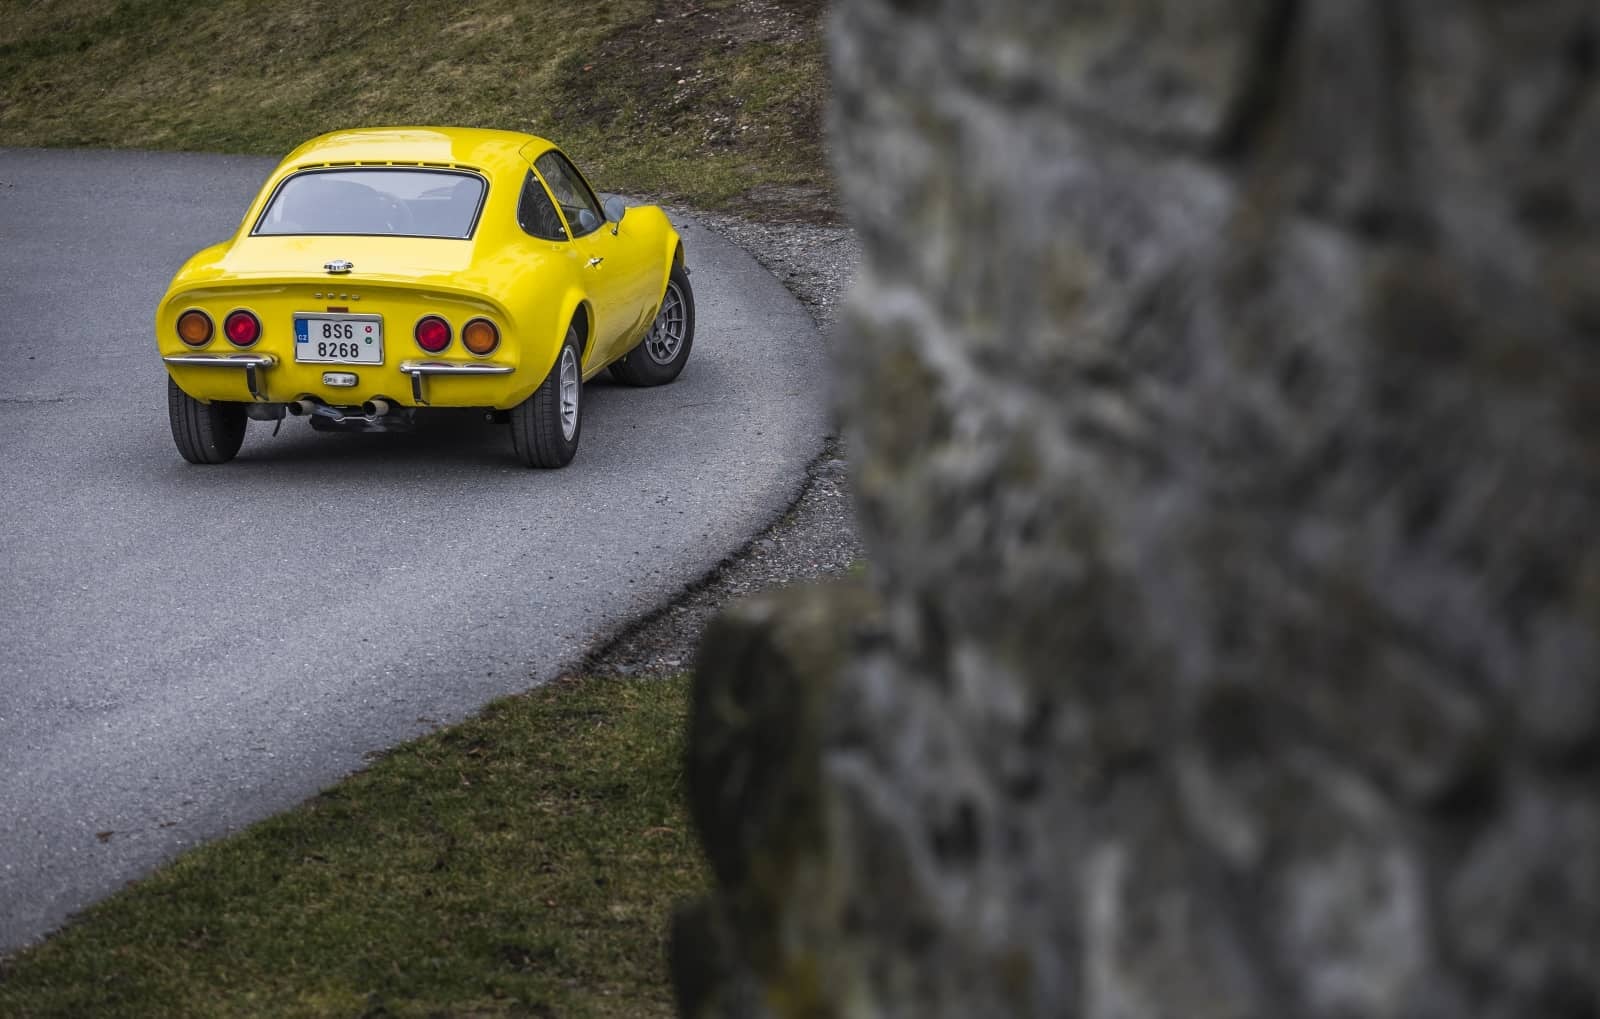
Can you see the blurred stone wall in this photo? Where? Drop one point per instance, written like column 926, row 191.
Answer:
column 1224, row 401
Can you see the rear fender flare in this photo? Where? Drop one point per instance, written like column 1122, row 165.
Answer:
column 540, row 355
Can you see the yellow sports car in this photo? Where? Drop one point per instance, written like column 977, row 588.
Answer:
column 386, row 270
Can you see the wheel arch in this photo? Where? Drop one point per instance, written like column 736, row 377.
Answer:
column 543, row 324
column 582, row 318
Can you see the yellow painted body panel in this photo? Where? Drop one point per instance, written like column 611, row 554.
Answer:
column 531, row 289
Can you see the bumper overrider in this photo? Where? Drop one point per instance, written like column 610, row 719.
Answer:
column 254, row 365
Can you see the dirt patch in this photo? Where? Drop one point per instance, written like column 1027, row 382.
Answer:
column 740, row 78
column 790, row 203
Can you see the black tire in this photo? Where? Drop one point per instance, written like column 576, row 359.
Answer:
column 661, row 355
column 542, row 432
column 205, row 433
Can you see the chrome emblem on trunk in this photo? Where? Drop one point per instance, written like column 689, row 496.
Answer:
column 339, row 266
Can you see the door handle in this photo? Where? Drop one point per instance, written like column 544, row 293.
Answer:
column 594, row 263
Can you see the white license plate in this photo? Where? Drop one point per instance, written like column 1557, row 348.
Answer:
column 333, row 338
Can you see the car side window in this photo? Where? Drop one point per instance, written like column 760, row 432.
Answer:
column 536, row 214
column 577, row 202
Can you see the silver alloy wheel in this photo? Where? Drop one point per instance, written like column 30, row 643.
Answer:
column 666, row 332
column 569, row 393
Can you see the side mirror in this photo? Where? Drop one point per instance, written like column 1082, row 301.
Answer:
column 615, row 209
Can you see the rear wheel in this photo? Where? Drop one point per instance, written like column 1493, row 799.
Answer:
column 661, row 355
column 205, row 433
column 545, row 427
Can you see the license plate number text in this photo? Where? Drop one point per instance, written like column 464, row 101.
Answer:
column 338, row 339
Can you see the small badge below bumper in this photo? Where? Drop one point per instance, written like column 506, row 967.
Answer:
column 344, row 380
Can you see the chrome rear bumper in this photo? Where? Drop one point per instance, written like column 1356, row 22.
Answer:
column 418, row 370
column 254, row 364
column 251, row 364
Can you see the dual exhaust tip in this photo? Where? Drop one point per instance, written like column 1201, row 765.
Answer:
column 371, row 411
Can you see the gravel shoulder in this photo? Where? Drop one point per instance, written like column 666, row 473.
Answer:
column 817, row 537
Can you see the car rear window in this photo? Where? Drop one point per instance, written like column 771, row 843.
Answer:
column 376, row 201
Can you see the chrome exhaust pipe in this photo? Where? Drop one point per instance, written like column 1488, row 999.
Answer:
column 376, row 408
column 301, row 408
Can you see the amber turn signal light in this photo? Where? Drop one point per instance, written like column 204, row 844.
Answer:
column 480, row 336
column 194, row 328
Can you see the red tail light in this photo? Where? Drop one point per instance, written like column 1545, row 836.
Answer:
column 195, row 328
column 242, row 328
column 480, row 336
column 433, row 333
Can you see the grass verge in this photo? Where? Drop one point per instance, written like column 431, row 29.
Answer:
column 522, row 863
column 716, row 103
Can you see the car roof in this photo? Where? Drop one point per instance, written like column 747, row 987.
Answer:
column 478, row 148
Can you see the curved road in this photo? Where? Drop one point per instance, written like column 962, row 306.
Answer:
column 184, row 650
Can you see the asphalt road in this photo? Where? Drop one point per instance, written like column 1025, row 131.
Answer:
column 184, row 650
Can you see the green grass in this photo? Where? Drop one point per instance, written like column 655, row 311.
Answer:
column 523, row 863
column 712, row 102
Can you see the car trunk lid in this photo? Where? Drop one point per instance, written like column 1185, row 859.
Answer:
column 338, row 259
